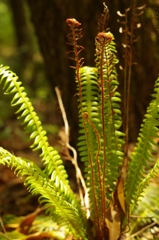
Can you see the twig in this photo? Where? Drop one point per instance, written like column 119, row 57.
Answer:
column 79, row 177
column 140, row 231
column 3, row 228
column 2, row 225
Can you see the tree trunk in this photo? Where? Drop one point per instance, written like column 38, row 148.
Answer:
column 49, row 20
column 24, row 41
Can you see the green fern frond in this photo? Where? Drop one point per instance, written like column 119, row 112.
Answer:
column 54, row 168
column 109, row 113
column 100, row 140
column 89, row 141
column 147, row 209
column 56, row 203
column 144, row 183
column 50, row 157
column 143, row 151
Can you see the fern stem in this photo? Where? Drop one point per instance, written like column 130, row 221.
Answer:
column 97, row 155
column 103, row 124
column 125, row 74
column 92, row 177
column 112, row 114
column 73, row 24
column 129, row 76
column 128, row 94
column 97, row 158
column 105, row 63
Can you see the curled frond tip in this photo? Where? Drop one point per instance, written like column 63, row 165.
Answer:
column 73, row 22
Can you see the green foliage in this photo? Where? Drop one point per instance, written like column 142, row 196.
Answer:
column 100, row 147
column 88, row 150
column 53, row 179
column 110, row 109
column 147, row 211
column 143, row 151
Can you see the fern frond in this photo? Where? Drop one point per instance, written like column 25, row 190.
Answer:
column 143, row 151
column 109, row 113
column 144, row 184
column 50, row 157
column 103, row 20
column 147, row 209
column 73, row 37
column 100, row 140
column 56, row 203
column 89, row 140
column 54, row 168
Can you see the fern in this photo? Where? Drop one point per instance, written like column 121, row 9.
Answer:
column 38, row 183
column 33, row 125
column 54, row 176
column 110, row 110
column 147, row 211
column 143, row 152
column 89, row 142
column 100, row 144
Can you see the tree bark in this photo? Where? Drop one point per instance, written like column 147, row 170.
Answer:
column 49, row 19
column 24, row 41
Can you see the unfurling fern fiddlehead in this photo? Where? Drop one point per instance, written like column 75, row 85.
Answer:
column 87, row 150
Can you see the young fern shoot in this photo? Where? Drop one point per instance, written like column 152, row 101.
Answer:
column 73, row 37
column 102, row 40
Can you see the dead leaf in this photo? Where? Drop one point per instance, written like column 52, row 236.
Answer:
column 113, row 221
column 26, row 223
column 120, row 194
